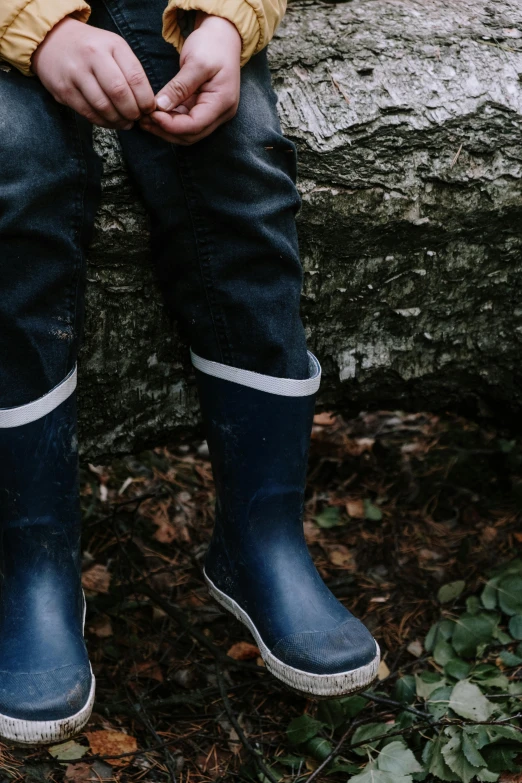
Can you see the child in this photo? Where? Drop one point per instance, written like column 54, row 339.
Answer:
column 189, row 90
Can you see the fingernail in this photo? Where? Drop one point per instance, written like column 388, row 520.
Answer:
column 128, row 127
column 164, row 102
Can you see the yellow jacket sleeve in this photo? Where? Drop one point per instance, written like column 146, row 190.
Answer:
column 25, row 23
column 255, row 20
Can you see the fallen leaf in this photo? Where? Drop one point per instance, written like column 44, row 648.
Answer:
column 243, row 651
column 382, row 671
column 355, row 508
column 415, row 648
column 341, row 556
column 67, row 750
column 101, row 627
column 112, row 744
column 79, row 773
column 324, row 419
column 149, row 669
column 518, row 537
column 97, row 579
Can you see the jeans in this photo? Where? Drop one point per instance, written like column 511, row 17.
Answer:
column 222, row 214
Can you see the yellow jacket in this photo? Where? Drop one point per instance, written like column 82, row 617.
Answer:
column 25, row 23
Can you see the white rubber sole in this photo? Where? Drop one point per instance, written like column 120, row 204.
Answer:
column 320, row 685
column 45, row 732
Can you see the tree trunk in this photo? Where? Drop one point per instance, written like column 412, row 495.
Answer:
column 408, row 120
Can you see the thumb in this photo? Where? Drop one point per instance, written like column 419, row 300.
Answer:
column 190, row 76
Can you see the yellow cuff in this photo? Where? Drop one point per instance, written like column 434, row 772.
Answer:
column 250, row 24
column 31, row 25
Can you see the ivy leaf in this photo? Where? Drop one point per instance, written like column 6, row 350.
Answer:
column 515, row 626
column 450, row 591
column 510, row 594
column 455, row 758
column 468, row 701
column 330, row 517
column 396, row 757
column 366, row 732
column 472, row 630
column 427, row 682
column 302, row 729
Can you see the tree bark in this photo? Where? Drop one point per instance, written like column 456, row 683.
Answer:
column 408, row 119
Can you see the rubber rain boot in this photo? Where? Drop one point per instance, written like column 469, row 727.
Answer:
column 258, row 565
column 46, row 681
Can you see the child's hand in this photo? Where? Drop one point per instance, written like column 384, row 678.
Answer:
column 94, row 72
column 205, row 92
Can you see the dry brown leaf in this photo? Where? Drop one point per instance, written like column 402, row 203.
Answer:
column 97, row 579
column 518, row 537
column 243, row 651
column 382, row 671
column 415, row 648
column 324, row 419
column 101, row 627
column 79, row 773
column 341, row 556
column 149, row 669
column 112, row 744
column 355, row 508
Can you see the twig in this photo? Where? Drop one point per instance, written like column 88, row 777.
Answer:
column 239, row 731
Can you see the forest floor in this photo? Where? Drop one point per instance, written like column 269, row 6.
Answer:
column 397, row 505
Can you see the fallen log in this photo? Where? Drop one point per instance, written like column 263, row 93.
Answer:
column 408, row 121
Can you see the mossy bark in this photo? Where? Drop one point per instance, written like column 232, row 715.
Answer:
column 408, row 120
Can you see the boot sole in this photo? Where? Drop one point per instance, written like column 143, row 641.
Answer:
column 44, row 732
column 318, row 685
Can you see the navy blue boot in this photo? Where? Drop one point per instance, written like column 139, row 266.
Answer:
column 258, row 565
column 46, row 681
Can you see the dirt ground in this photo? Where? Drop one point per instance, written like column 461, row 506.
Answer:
column 397, row 505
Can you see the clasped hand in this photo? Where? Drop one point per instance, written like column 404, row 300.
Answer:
column 97, row 74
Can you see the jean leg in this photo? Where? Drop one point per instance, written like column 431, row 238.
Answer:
column 49, row 187
column 222, row 213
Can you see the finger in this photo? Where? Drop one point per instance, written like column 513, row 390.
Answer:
column 203, row 115
column 190, row 76
column 172, row 139
column 77, row 102
column 100, row 103
column 136, row 78
column 114, row 85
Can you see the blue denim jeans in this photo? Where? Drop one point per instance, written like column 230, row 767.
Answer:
column 222, row 212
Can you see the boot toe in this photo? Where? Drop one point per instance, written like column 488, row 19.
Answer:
column 345, row 648
column 45, row 696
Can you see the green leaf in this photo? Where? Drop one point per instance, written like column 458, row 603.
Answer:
column 472, row 630
column 352, row 705
column 468, row 701
column 450, row 591
column 488, row 595
column 398, row 758
column 501, row 636
column 372, row 512
column 473, row 604
column 293, row 762
column 471, row 751
column 368, row 731
column 435, row 762
column 405, row 719
column 510, row 659
column 405, row 690
column 443, row 652
column 438, row 702
column 500, row 757
column 510, row 594
column 330, row 517
column 371, row 774
column 431, row 637
column 455, row 758
column 485, row 776
column 427, row 682
column 505, row 732
column 318, row 748
column 479, row 735
column 302, row 729
column 457, row 668
column 331, row 713
column 67, row 750
column 515, row 626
